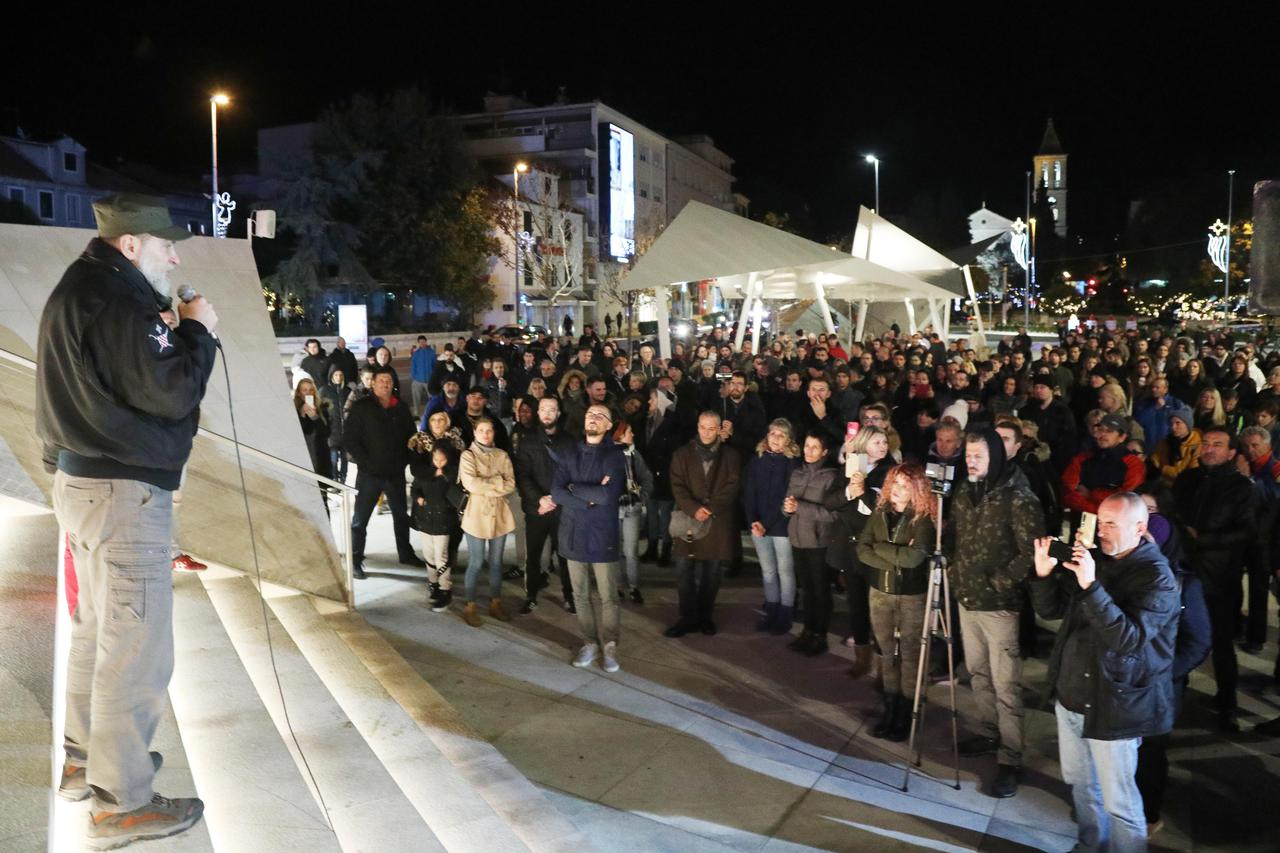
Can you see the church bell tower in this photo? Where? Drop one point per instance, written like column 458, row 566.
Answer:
column 1050, row 177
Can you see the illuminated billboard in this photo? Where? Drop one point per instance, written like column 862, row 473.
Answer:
column 620, row 214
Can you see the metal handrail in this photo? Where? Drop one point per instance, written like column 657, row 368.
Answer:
column 283, row 464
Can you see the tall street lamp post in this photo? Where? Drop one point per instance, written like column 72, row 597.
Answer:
column 1226, row 275
column 219, row 227
column 875, row 163
column 1031, row 277
column 516, row 172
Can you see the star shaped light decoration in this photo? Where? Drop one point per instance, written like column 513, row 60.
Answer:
column 1218, row 228
column 1018, row 226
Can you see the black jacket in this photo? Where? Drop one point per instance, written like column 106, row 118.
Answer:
column 1219, row 504
column 344, row 360
column 437, row 515
column 117, row 392
column 377, row 438
column 1124, row 630
column 535, row 468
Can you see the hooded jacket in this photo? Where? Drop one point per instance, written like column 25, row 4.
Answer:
column 117, row 392
column 995, row 521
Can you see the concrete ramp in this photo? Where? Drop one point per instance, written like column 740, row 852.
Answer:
column 294, row 543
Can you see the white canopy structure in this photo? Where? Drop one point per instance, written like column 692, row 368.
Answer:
column 753, row 261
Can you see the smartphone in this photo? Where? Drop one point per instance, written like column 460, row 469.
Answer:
column 310, row 400
column 851, row 429
column 855, row 463
column 1060, row 551
column 1088, row 529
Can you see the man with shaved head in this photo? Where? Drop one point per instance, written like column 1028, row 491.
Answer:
column 1111, row 668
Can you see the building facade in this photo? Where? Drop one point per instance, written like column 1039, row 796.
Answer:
column 56, row 181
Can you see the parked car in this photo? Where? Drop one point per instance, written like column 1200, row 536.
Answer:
column 521, row 334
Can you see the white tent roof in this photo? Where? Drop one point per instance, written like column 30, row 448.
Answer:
column 881, row 242
column 703, row 242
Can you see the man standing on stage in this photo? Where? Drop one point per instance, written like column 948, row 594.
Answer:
column 117, row 405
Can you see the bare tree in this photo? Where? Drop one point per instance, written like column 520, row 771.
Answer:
column 545, row 237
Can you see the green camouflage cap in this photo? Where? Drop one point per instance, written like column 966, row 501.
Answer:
column 131, row 213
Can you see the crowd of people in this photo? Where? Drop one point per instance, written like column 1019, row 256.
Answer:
column 834, row 466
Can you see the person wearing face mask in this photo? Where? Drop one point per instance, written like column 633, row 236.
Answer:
column 996, row 518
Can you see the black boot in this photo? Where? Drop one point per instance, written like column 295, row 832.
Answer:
column 901, row 728
column 664, row 555
column 800, row 642
column 888, row 708
column 817, row 645
column 770, row 615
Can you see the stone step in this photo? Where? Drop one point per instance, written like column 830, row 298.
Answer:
column 518, row 801
column 365, row 805
column 463, row 809
column 254, row 796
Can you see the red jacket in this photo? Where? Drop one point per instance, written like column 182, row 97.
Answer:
column 1134, row 474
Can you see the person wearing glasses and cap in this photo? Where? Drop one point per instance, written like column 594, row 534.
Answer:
column 117, row 405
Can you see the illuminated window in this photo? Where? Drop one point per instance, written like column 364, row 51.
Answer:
column 1057, row 173
column 1044, row 173
column 1055, row 214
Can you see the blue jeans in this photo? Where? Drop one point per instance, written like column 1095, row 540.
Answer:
column 477, row 551
column 1109, row 814
column 338, row 461
column 658, row 515
column 777, row 569
column 629, row 518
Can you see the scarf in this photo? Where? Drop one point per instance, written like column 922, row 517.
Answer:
column 707, row 453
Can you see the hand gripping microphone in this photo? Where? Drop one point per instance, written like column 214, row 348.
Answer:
column 186, row 293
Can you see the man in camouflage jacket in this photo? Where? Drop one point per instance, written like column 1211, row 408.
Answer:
column 996, row 519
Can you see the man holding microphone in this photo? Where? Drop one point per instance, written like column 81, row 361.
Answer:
column 117, row 406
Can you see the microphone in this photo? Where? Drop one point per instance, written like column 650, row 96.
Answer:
column 186, row 293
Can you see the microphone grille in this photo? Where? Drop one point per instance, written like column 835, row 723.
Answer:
column 186, row 293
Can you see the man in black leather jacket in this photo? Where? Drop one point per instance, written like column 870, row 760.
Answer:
column 1214, row 504
column 1111, row 668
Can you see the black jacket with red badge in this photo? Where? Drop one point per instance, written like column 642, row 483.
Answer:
column 117, row 392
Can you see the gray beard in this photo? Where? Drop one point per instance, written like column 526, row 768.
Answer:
column 159, row 281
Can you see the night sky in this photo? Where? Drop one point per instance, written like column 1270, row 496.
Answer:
column 954, row 105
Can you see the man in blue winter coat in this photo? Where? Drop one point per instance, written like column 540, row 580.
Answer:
column 588, row 483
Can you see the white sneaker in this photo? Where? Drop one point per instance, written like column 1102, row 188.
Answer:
column 610, row 657
column 586, row 655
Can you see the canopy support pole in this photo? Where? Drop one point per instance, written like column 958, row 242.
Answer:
column 973, row 298
column 747, row 299
column 911, row 317
column 820, row 294
column 862, row 321
column 946, row 321
column 757, row 313
column 934, row 319
column 661, row 297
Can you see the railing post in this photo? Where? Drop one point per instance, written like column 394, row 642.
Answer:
column 347, row 561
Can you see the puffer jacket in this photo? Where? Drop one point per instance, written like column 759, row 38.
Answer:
column 896, row 560
column 488, row 477
column 994, row 542
column 1123, row 631
column 767, row 478
column 817, row 488
column 1171, row 464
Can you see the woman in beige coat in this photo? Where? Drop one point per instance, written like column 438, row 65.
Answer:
column 487, row 476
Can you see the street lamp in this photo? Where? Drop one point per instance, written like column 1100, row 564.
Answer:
column 875, row 162
column 516, row 172
column 1226, row 273
column 222, row 204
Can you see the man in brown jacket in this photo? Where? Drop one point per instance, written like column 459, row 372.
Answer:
column 704, row 483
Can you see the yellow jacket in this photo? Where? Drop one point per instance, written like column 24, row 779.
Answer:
column 1188, row 457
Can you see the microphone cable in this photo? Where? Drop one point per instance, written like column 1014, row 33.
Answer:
column 266, row 620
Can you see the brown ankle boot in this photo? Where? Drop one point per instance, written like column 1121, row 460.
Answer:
column 497, row 611
column 471, row 615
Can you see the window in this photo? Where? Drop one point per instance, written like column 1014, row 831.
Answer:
column 642, row 153
column 528, row 222
column 1044, row 174
column 1057, row 173
column 18, row 194
column 70, row 162
column 1055, row 214
column 73, row 209
column 46, row 204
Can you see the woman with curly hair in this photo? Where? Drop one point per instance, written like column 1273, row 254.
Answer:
column 894, row 546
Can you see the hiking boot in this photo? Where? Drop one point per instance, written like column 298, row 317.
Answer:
column 497, row 611
column 586, row 656
column 75, row 785
column 446, row 598
column 1006, row 784
column 471, row 615
column 610, row 662
column 528, row 607
column 159, row 818
column 188, row 563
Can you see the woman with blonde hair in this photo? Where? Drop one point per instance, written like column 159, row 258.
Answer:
column 314, row 416
column 1113, row 401
column 1209, row 411
column 487, row 477
column 768, row 474
column 895, row 546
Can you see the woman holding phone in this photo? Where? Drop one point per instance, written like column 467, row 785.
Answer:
column 314, row 416
column 867, row 462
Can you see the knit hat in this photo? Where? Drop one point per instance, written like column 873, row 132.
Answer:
column 1183, row 413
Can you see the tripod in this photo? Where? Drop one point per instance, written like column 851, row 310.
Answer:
column 937, row 623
